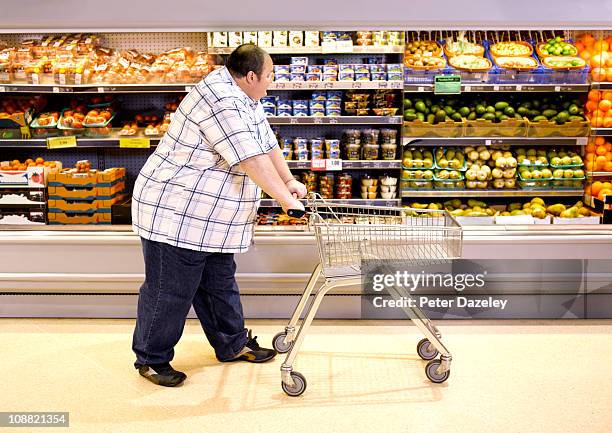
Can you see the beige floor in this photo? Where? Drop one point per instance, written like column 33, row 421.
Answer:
column 363, row 377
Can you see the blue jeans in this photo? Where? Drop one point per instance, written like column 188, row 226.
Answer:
column 175, row 279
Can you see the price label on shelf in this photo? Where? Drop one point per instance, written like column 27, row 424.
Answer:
column 333, row 164
column 519, row 87
column 582, row 141
column 56, row 90
column 188, row 89
column 100, row 89
column 61, row 142
column 2, row 89
column 313, row 85
column 317, row 165
column 447, row 84
column 298, row 84
column 317, row 120
column 332, row 120
column 293, row 121
column 356, row 85
column 134, row 143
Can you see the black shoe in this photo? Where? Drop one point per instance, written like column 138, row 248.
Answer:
column 162, row 374
column 252, row 352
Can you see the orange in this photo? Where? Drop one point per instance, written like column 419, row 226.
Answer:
column 596, row 187
column 600, row 162
column 589, row 166
column 601, row 150
column 588, row 39
column 597, row 122
column 594, row 95
column 606, row 95
column 608, row 147
column 604, row 192
column 590, row 148
column 39, row 160
column 599, row 141
column 607, row 123
column 598, row 60
column 608, row 166
column 586, row 55
column 601, row 46
column 605, row 105
column 591, row 106
column 608, row 156
column 609, row 72
column 580, row 46
column 607, row 185
column 598, row 74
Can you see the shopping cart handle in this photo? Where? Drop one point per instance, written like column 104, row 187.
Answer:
column 296, row 213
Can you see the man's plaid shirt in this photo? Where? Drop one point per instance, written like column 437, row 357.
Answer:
column 191, row 192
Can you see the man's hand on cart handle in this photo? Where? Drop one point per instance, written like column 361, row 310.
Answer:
column 294, row 207
column 296, row 187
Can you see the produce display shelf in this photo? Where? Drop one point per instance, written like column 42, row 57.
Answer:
column 479, row 88
column 356, row 49
column 493, row 193
column 336, row 85
column 340, row 120
column 599, row 174
column 348, row 164
column 605, row 85
column 352, row 201
column 606, row 132
column 487, row 141
column 81, row 142
column 96, row 88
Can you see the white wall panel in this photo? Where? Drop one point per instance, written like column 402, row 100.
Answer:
column 184, row 15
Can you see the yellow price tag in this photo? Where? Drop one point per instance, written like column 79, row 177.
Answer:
column 135, row 143
column 61, row 142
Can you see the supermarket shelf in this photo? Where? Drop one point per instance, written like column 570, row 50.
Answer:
column 607, row 85
column 340, row 120
column 467, row 88
column 337, row 85
column 352, row 201
column 96, row 88
column 606, row 132
column 394, row 49
column 467, row 141
column 493, row 193
column 355, row 165
column 81, row 142
column 599, row 174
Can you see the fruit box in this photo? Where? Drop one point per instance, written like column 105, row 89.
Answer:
column 80, row 206
column 22, row 197
column 486, row 128
column 34, row 177
column 475, row 221
column 583, row 220
column 417, row 128
column 86, row 193
column 514, row 220
column 545, row 128
column 96, row 218
column 543, row 221
column 22, row 216
column 93, row 178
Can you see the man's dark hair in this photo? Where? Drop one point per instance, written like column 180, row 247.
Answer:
column 245, row 58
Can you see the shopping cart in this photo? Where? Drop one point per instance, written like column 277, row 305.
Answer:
column 348, row 234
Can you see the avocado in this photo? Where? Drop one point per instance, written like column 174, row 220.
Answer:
column 573, row 109
column 471, row 116
column 522, row 111
column 431, row 118
column 456, row 117
column 480, row 110
column 533, row 113
column 434, row 109
column 563, row 116
column 407, row 104
column 490, row 109
column 488, row 116
column 539, row 118
column 449, row 110
column 440, row 116
column 549, row 113
column 509, row 111
column 501, row 105
column 420, row 107
column 464, row 111
column 421, row 117
column 409, row 117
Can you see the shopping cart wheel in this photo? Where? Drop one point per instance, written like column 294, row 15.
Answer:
column 426, row 350
column 299, row 385
column 279, row 345
column 432, row 374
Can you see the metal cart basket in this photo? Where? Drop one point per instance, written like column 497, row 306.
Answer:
column 348, row 234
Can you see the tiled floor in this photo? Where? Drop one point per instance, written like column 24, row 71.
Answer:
column 545, row 376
